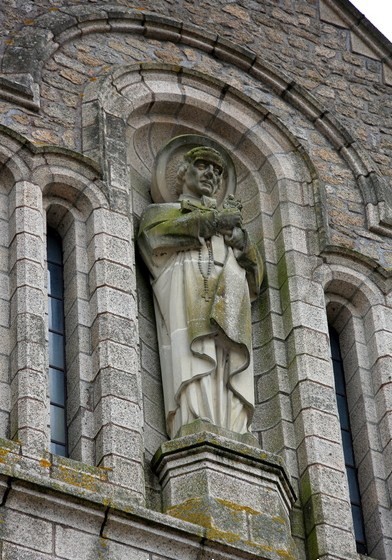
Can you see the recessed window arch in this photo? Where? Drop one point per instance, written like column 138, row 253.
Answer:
column 66, row 223
column 354, row 312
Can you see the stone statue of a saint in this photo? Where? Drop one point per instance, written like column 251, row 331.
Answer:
column 205, row 272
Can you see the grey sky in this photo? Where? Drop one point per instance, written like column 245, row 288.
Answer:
column 379, row 12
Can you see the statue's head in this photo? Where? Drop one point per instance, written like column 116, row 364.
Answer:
column 201, row 172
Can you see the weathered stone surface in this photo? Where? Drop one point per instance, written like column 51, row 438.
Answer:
column 300, row 94
column 233, row 490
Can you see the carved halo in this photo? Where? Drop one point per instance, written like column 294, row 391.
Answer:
column 170, row 157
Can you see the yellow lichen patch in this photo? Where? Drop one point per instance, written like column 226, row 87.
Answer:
column 78, row 478
column 266, row 548
column 197, row 511
column 279, row 519
column 44, row 463
column 237, row 507
column 194, row 511
column 4, row 454
column 284, row 554
column 8, row 455
column 227, row 536
column 190, row 511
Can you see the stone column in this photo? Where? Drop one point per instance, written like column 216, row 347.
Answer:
column 118, row 414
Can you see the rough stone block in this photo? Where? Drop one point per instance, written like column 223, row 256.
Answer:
column 109, row 300
column 76, row 545
column 37, row 534
column 122, row 413
column 14, row 552
column 113, row 439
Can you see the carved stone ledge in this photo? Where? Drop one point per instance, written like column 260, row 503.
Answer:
column 238, row 492
column 25, row 95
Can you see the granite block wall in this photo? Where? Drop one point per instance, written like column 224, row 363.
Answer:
column 300, row 94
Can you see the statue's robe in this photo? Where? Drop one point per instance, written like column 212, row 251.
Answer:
column 202, row 293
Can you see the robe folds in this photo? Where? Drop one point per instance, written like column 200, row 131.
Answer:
column 202, row 292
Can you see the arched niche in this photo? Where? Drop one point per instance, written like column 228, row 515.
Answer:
column 132, row 113
column 356, row 302
column 128, row 116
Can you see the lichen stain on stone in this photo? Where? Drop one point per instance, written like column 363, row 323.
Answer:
column 9, row 456
column 190, row 511
column 103, row 548
column 285, row 554
column 79, row 479
column 279, row 519
column 279, row 551
column 4, row 454
column 44, row 463
column 216, row 534
column 204, row 520
column 237, row 507
column 187, row 511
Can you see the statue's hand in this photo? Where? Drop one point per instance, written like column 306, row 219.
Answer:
column 208, row 223
column 237, row 239
column 228, row 219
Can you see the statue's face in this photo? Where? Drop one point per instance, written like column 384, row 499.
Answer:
column 202, row 177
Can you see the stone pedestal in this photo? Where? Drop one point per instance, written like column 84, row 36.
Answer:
column 238, row 492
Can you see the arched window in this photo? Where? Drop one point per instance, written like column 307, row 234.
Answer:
column 57, row 372
column 347, row 440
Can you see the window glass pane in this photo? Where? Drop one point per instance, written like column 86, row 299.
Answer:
column 347, row 442
column 334, row 341
column 58, row 449
column 348, row 448
column 55, row 280
column 54, row 248
column 57, row 374
column 353, row 485
column 57, row 424
column 343, row 412
column 362, row 548
column 56, row 350
column 359, row 530
column 340, row 386
column 56, row 386
column 56, row 314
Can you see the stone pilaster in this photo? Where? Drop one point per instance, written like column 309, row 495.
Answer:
column 28, row 356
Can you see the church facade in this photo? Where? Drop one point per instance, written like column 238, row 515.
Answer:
column 299, row 94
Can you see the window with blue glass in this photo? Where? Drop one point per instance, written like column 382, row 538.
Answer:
column 348, row 450
column 57, row 371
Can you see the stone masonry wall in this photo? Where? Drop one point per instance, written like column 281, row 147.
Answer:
column 299, row 39
column 299, row 91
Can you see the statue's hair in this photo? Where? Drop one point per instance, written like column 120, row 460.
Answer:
column 200, row 152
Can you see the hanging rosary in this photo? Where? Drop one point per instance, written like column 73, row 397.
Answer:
column 206, row 274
